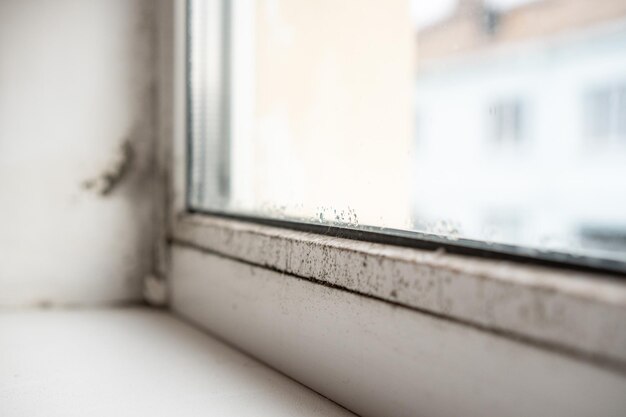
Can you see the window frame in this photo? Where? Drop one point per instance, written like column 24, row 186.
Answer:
column 549, row 309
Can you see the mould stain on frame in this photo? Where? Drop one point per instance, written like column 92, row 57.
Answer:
column 576, row 312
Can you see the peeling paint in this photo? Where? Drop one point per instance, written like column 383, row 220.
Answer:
column 114, row 173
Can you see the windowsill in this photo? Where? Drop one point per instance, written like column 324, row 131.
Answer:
column 136, row 361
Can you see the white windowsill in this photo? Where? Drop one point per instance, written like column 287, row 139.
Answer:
column 135, row 362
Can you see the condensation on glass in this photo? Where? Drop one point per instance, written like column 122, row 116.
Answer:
column 494, row 121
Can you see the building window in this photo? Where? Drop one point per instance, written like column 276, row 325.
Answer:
column 605, row 115
column 505, row 121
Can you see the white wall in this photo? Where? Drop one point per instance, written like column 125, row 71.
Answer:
column 76, row 82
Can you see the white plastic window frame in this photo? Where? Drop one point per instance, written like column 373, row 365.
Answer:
column 387, row 329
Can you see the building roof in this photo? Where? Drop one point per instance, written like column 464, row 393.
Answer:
column 474, row 25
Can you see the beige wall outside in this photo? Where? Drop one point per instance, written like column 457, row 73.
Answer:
column 333, row 110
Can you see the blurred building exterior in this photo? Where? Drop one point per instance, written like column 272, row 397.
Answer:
column 500, row 120
column 521, row 123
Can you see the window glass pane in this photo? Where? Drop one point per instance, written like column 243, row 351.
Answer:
column 493, row 121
